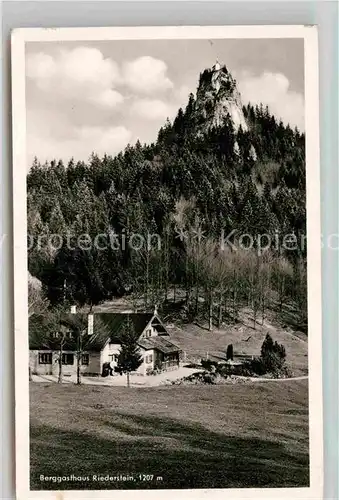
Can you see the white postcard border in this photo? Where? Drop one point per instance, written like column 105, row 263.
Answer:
column 309, row 34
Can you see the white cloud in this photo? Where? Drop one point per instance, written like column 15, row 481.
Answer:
column 104, row 140
column 146, row 75
column 151, row 109
column 80, row 143
column 73, row 98
column 40, row 67
column 81, row 74
column 272, row 89
column 107, row 98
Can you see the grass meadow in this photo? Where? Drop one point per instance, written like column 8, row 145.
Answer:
column 229, row 436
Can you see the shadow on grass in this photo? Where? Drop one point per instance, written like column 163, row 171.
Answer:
column 185, row 456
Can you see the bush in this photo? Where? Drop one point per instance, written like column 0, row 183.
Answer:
column 256, row 367
column 209, row 365
column 197, row 379
column 151, row 371
column 271, row 360
column 229, row 352
column 273, row 355
column 208, row 378
column 192, row 365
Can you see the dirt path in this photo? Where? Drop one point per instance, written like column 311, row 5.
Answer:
column 135, row 380
column 162, row 379
column 261, row 379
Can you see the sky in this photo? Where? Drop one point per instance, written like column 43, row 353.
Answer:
column 84, row 97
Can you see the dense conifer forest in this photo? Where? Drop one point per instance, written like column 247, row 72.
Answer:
column 192, row 187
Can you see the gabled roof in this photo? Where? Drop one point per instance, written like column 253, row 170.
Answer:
column 159, row 327
column 114, row 323
column 106, row 327
column 159, row 343
column 45, row 331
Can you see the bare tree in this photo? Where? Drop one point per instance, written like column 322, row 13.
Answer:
column 282, row 272
column 37, row 302
column 60, row 358
column 212, row 270
column 77, row 324
column 300, row 287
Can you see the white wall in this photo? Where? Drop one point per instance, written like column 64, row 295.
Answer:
column 53, row 368
column 107, row 351
column 146, row 366
column 36, row 367
column 96, row 361
column 115, row 349
column 94, row 365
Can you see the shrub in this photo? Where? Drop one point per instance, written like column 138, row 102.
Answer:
column 271, row 360
column 256, row 367
column 193, row 365
column 151, row 371
column 209, row 365
column 229, row 352
column 208, row 378
column 224, row 370
column 273, row 355
column 196, row 379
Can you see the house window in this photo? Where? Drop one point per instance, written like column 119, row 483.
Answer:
column 67, row 359
column 148, row 333
column 69, row 335
column 149, row 359
column 85, row 359
column 55, row 335
column 45, row 358
column 113, row 357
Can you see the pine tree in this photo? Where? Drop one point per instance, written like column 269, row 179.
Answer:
column 228, row 186
column 129, row 358
column 57, row 224
column 229, row 352
column 273, row 355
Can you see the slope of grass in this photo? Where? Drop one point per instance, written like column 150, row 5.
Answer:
column 197, row 342
column 203, row 437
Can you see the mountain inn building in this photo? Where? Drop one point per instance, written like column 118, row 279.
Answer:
column 100, row 339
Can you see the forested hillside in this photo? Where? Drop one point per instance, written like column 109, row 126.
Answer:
column 219, row 167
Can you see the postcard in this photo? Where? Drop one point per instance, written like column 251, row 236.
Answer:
column 167, row 262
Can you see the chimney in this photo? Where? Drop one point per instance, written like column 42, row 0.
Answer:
column 155, row 310
column 90, row 324
column 73, row 309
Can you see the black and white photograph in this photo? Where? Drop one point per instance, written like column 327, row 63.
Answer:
column 168, row 328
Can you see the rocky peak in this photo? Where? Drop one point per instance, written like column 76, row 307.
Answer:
column 217, row 98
